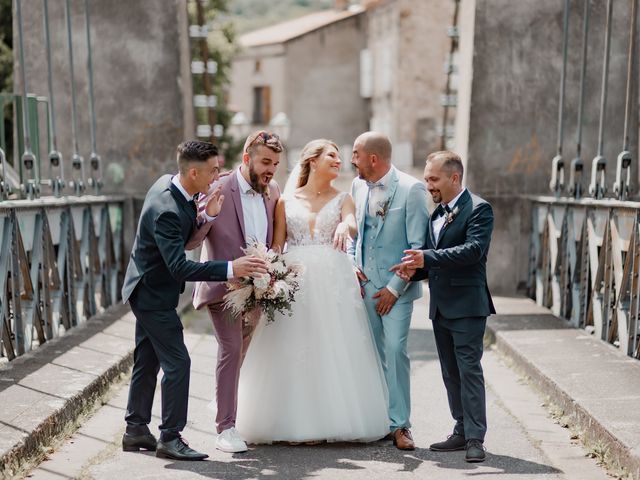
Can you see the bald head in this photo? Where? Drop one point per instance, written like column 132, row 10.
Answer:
column 376, row 143
column 372, row 156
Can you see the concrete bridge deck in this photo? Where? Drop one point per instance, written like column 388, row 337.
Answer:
column 590, row 386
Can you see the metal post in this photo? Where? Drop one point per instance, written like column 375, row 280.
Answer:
column 55, row 157
column 577, row 165
column 597, row 187
column 95, row 178
column 447, row 90
column 5, row 190
column 30, row 187
column 557, row 164
column 77, row 162
column 623, row 164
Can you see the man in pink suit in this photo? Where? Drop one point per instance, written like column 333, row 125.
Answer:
column 247, row 215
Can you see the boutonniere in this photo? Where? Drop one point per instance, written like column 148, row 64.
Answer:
column 451, row 215
column 382, row 208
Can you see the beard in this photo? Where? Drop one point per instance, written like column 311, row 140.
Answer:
column 254, row 181
column 436, row 197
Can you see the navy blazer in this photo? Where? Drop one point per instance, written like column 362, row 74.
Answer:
column 456, row 265
column 158, row 266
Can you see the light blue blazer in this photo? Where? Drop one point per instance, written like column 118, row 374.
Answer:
column 403, row 226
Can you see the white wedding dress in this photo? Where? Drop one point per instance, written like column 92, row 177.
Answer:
column 315, row 375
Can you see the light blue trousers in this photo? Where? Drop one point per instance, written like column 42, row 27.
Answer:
column 390, row 333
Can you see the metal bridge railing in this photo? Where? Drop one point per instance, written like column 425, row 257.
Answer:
column 61, row 262
column 585, row 252
column 585, row 265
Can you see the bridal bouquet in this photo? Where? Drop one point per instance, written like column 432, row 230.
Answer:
column 271, row 292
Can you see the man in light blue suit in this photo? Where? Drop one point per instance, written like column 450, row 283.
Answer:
column 391, row 211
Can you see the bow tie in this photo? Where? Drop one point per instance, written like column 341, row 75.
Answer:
column 372, row 185
column 441, row 210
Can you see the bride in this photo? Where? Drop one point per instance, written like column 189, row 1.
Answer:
column 315, row 375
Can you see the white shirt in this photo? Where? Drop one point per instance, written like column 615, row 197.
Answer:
column 253, row 212
column 176, row 181
column 377, row 194
column 438, row 223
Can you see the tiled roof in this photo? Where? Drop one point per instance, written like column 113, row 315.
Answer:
column 285, row 31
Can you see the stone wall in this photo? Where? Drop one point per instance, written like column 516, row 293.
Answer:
column 511, row 59
column 142, row 83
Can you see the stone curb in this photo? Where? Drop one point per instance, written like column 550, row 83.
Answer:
column 29, row 446
column 590, row 428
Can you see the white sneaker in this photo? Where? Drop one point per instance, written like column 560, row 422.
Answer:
column 230, row 441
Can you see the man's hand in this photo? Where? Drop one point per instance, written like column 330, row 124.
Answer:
column 341, row 237
column 214, row 202
column 386, row 302
column 413, row 259
column 403, row 271
column 248, row 266
column 362, row 278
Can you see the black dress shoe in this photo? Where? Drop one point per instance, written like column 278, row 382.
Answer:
column 475, row 451
column 178, row 449
column 451, row 444
column 135, row 443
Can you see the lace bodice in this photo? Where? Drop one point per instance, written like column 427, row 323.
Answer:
column 300, row 220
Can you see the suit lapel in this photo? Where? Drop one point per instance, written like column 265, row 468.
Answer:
column 432, row 234
column 237, row 202
column 464, row 198
column 391, row 191
column 182, row 202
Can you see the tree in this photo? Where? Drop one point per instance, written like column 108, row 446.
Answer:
column 222, row 47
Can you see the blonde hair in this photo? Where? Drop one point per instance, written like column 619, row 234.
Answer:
column 311, row 151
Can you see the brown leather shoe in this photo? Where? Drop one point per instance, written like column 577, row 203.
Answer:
column 403, row 440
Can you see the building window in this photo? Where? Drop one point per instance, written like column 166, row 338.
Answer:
column 261, row 105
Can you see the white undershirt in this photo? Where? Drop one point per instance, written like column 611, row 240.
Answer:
column 253, row 212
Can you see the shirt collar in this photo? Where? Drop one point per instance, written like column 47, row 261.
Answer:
column 242, row 183
column 385, row 179
column 176, row 181
column 453, row 202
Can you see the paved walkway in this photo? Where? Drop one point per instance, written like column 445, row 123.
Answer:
column 523, row 441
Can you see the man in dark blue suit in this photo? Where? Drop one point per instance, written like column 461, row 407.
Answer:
column 454, row 260
column 153, row 283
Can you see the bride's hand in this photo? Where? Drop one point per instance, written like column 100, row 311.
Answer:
column 341, row 237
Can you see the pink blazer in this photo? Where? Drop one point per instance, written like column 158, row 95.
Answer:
column 224, row 237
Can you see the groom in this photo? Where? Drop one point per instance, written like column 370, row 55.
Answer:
column 246, row 217
column 391, row 212
column 455, row 259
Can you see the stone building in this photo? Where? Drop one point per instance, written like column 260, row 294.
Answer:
column 403, row 74
column 336, row 73
column 308, row 70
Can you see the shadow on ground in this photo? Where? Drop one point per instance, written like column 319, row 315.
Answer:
column 307, row 461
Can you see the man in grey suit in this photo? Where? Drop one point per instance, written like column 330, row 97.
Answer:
column 154, row 280
column 454, row 258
